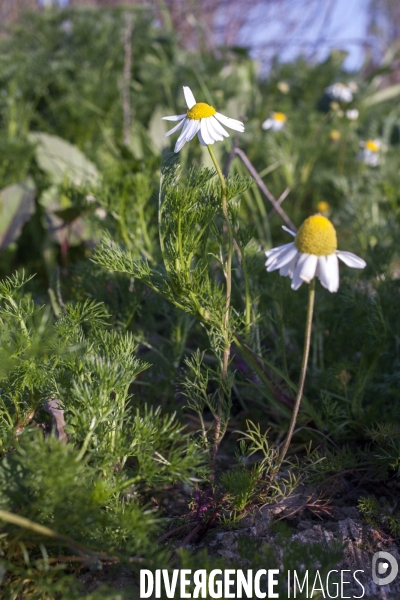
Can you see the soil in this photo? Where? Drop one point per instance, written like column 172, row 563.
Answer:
column 339, row 522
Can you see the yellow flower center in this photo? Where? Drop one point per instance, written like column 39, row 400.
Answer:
column 372, row 146
column 316, row 236
column 335, row 135
column 201, row 110
column 323, row 206
column 278, row 116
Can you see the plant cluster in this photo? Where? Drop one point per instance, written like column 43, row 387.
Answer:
column 145, row 352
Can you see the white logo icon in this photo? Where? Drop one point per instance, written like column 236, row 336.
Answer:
column 380, row 568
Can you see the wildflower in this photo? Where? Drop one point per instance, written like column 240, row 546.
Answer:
column 101, row 213
column 203, row 119
column 340, row 91
column 314, row 253
column 276, row 121
column 323, row 207
column 370, row 152
column 352, row 114
column 283, row 87
column 353, row 86
column 335, row 135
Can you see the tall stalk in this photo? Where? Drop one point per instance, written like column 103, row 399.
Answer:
column 228, row 269
column 220, row 427
column 306, row 352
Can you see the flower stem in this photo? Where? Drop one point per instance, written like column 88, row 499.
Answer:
column 306, row 352
column 220, row 425
column 247, row 299
column 228, row 268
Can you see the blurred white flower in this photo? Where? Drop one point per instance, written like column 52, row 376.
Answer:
column 67, row 26
column 101, row 213
column 352, row 114
column 370, row 152
column 203, row 119
column 283, row 87
column 314, row 253
column 340, row 91
column 276, row 121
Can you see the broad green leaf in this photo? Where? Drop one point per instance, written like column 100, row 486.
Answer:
column 60, row 159
column 383, row 95
column 157, row 129
column 17, row 205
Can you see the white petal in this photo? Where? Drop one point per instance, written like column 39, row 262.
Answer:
column 267, row 124
column 179, row 144
column 174, row 129
column 228, row 122
column 351, row 260
column 182, row 139
column 309, row 267
column 272, row 258
column 204, row 132
column 190, row 101
column 278, row 261
column 296, row 279
column 213, row 130
column 278, row 249
column 323, row 272
column 195, row 128
column 213, row 134
column 201, row 140
column 288, row 270
column 288, row 230
column 277, row 125
column 190, row 129
column 218, row 127
column 174, row 118
column 332, row 265
column 302, row 270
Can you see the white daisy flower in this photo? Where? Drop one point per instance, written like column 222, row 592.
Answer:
column 370, row 152
column 276, row 121
column 340, row 91
column 314, row 253
column 352, row 114
column 203, row 119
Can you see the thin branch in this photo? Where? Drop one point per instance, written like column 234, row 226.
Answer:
column 264, row 188
column 281, row 198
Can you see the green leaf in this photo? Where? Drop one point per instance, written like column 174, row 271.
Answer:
column 383, row 95
column 60, row 159
column 17, row 205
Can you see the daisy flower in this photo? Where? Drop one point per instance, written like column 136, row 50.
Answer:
column 323, row 207
column 370, row 152
column 340, row 91
column 203, row 119
column 335, row 135
column 276, row 121
column 352, row 114
column 313, row 253
column 283, row 87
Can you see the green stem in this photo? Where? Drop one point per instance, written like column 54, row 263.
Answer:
column 228, row 269
column 306, row 352
column 247, row 298
column 19, row 318
column 180, row 245
column 220, row 427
